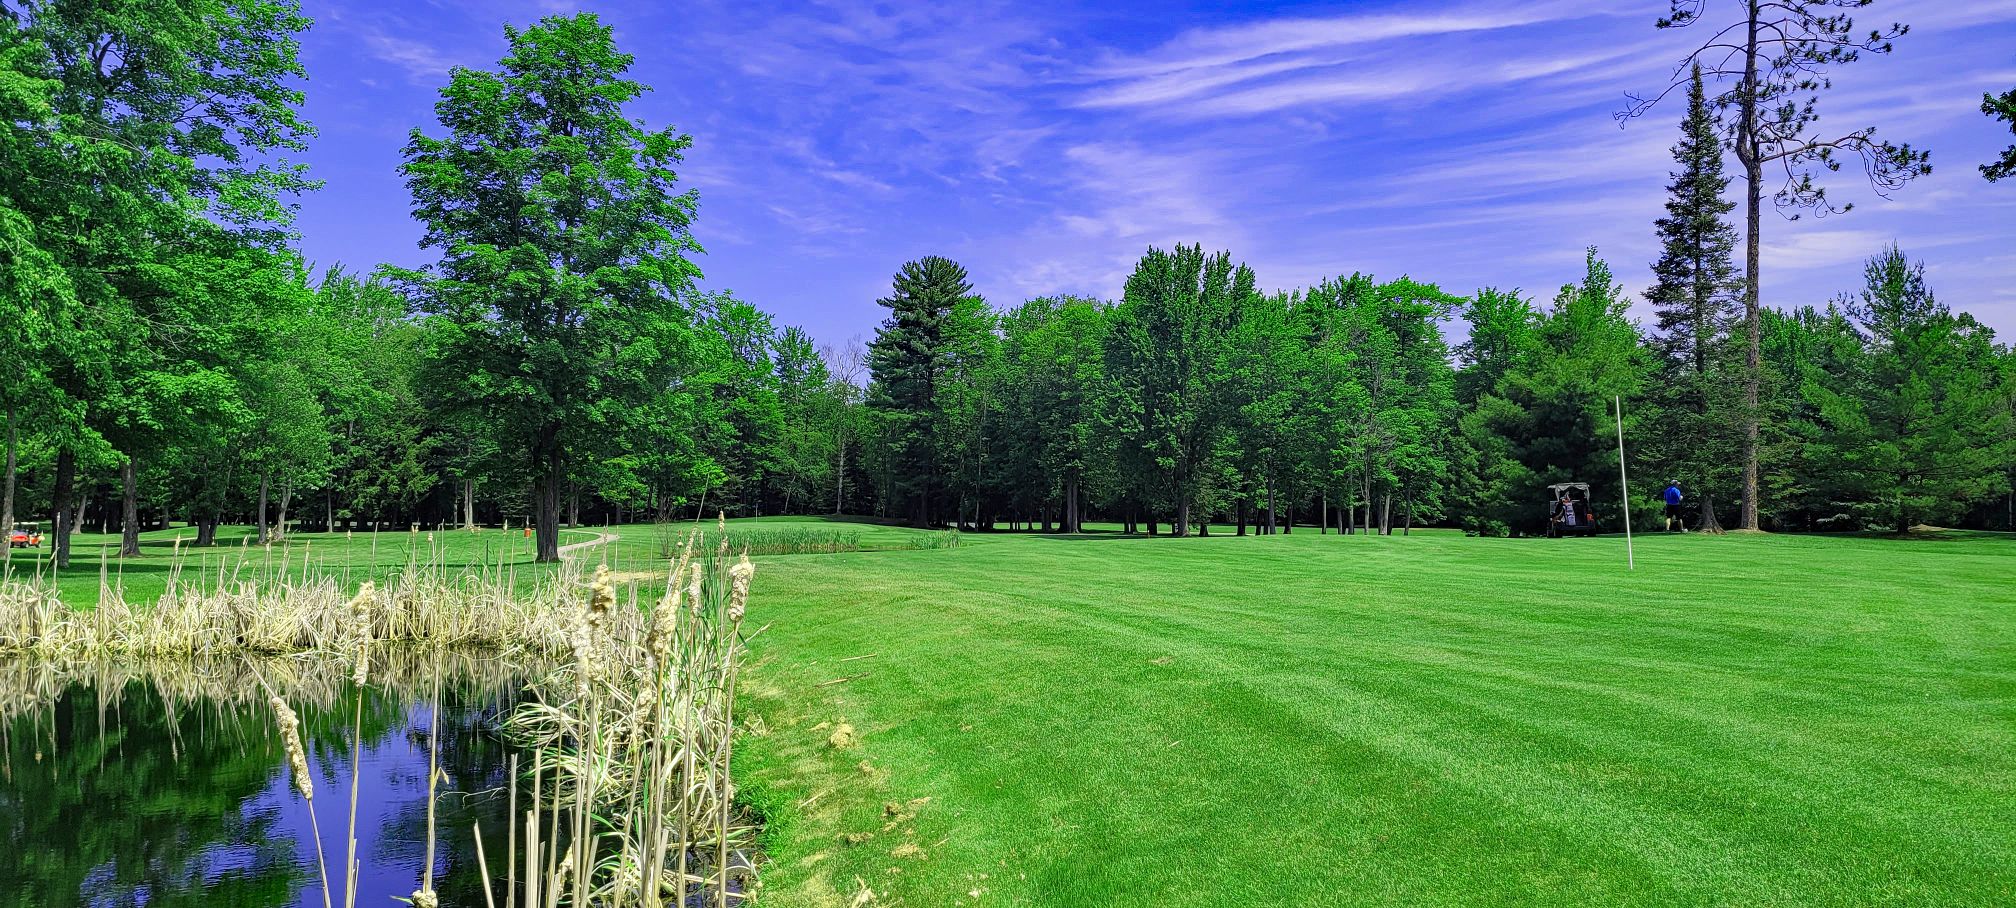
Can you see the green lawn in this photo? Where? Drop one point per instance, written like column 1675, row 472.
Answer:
column 360, row 556
column 1428, row 720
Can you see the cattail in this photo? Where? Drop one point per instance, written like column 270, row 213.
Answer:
column 360, row 619
column 601, row 594
column 587, row 662
column 659, row 639
column 738, row 594
column 290, row 737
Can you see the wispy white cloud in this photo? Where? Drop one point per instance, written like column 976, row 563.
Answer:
column 421, row 61
column 1271, row 65
column 1468, row 142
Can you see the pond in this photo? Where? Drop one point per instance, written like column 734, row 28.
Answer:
column 170, row 787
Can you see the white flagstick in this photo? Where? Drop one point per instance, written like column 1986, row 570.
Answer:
column 1630, row 557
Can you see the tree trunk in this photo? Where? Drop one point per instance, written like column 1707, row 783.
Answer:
column 1324, row 512
column 1749, row 152
column 469, row 502
column 573, row 504
column 549, row 471
column 1240, row 508
column 61, row 518
column 206, row 529
column 1271, row 524
column 7, row 493
column 1386, row 513
column 1366, row 477
column 286, row 501
column 265, row 485
column 1708, row 522
column 840, row 480
column 1408, row 530
column 1182, row 526
column 129, row 510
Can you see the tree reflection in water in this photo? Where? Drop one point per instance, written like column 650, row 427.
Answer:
column 168, row 788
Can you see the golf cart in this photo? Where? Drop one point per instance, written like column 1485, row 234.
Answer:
column 25, row 536
column 1568, row 512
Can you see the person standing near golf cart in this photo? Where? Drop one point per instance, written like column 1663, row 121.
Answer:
column 1673, row 499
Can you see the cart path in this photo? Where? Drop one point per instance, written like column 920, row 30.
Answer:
column 600, row 539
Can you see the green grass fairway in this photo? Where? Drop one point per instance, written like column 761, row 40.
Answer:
column 1430, row 720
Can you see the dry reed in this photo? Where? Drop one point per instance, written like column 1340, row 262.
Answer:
column 631, row 799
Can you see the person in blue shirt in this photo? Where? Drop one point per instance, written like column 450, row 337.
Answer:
column 1673, row 499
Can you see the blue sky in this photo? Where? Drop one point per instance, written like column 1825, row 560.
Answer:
column 1046, row 145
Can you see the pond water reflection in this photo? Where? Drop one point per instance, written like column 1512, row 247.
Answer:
column 169, row 787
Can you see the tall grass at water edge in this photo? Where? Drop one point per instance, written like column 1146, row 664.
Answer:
column 629, row 799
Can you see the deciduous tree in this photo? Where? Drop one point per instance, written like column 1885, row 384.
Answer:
column 563, row 242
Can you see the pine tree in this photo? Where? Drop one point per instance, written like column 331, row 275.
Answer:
column 1695, row 294
column 907, row 361
column 2001, row 107
column 1779, row 53
column 1922, row 424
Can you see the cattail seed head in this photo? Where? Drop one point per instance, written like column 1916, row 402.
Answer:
column 290, row 738
column 738, row 593
column 360, row 625
column 601, row 593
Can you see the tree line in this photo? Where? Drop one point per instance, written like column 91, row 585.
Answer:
column 169, row 354
column 1197, row 400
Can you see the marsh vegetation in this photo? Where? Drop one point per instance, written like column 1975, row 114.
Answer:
column 605, row 753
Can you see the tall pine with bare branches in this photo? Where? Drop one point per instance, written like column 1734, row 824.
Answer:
column 1776, row 57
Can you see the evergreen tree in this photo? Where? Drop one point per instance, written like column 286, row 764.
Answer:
column 1922, row 426
column 1555, row 418
column 1494, row 486
column 1773, row 51
column 1695, row 294
column 908, row 362
column 1807, row 350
